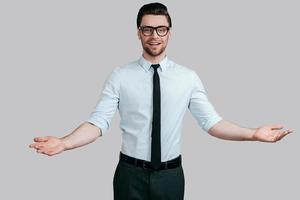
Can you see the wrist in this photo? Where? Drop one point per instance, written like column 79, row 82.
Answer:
column 66, row 144
column 252, row 137
column 249, row 134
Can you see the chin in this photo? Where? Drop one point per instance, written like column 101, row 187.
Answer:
column 154, row 53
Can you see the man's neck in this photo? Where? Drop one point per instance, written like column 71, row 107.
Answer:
column 154, row 59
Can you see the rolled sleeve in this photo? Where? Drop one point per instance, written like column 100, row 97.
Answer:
column 107, row 103
column 200, row 107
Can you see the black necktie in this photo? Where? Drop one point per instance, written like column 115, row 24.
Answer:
column 155, row 142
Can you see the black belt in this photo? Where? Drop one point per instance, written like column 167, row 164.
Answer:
column 147, row 165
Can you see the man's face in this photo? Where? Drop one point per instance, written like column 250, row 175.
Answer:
column 154, row 45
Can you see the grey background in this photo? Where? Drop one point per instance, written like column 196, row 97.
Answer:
column 56, row 55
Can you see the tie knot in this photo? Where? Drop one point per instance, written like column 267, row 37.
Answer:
column 155, row 66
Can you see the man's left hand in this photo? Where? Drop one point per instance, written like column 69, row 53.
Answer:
column 270, row 133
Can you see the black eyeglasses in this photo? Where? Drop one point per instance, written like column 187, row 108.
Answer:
column 160, row 30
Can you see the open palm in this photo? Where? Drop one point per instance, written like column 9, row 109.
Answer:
column 270, row 133
column 48, row 145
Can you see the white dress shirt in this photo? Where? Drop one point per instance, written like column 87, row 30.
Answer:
column 129, row 89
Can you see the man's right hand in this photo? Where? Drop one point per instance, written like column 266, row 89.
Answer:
column 82, row 135
column 48, row 145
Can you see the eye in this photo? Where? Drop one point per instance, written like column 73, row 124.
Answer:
column 162, row 30
column 147, row 29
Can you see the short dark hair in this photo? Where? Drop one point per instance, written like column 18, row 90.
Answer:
column 153, row 9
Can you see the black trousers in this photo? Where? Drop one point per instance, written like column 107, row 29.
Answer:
column 136, row 183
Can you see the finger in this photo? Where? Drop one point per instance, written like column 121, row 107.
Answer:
column 275, row 136
column 284, row 133
column 276, row 127
column 40, row 146
column 287, row 132
column 36, row 145
column 49, row 153
column 39, row 151
column 41, row 139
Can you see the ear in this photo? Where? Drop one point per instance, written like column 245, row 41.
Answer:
column 170, row 34
column 139, row 34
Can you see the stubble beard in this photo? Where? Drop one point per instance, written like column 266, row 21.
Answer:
column 154, row 53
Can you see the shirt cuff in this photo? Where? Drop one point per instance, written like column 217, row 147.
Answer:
column 209, row 124
column 98, row 124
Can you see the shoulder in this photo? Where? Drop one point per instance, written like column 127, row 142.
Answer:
column 188, row 74
column 123, row 72
column 186, row 71
column 126, row 67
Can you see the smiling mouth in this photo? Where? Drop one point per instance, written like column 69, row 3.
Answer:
column 154, row 43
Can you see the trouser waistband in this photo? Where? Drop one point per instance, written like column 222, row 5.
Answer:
column 147, row 165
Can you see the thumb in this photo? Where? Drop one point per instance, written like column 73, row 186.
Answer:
column 41, row 139
column 276, row 126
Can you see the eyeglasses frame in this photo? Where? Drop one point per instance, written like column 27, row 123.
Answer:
column 154, row 28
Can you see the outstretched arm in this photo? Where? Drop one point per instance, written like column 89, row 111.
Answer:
column 50, row 145
column 229, row 131
column 94, row 127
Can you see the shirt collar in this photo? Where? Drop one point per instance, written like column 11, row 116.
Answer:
column 147, row 65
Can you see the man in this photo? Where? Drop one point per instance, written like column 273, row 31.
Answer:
column 152, row 95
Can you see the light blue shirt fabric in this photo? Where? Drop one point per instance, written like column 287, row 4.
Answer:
column 129, row 89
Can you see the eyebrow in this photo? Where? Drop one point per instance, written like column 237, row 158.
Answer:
column 154, row 26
